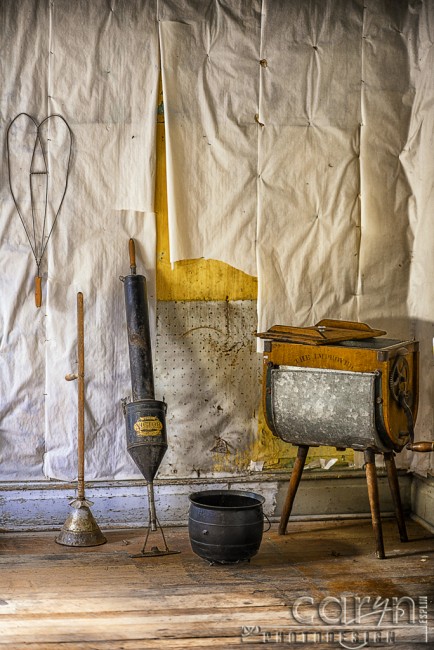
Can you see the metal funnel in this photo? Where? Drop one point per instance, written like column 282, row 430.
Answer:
column 80, row 529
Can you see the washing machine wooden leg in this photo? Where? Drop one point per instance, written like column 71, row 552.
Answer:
column 374, row 502
column 392, row 475
column 293, row 486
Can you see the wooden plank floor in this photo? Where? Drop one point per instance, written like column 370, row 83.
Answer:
column 53, row 596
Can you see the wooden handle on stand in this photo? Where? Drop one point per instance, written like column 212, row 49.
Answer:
column 38, row 291
column 80, row 378
column 423, row 446
column 132, row 252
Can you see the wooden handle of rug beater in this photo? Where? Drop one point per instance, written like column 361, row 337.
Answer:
column 80, row 381
column 132, row 251
column 38, row 291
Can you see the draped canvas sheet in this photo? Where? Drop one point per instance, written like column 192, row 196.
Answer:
column 95, row 63
column 22, row 334
column 298, row 132
column 417, row 158
column 309, row 146
column 343, row 159
column 209, row 53
column 389, row 57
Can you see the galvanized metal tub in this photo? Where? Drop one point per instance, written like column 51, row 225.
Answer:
column 321, row 406
column 225, row 526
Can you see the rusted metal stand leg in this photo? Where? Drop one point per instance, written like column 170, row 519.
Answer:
column 293, row 486
column 396, row 496
column 374, row 502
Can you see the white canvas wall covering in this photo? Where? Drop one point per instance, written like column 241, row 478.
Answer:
column 22, row 334
column 306, row 273
column 309, row 208
column 344, row 163
column 210, row 61
column 22, row 363
column 394, row 177
column 112, row 49
column 299, row 148
column 417, row 159
column 96, row 64
column 106, row 351
column 387, row 95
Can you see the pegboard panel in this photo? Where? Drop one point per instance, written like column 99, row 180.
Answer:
column 208, row 371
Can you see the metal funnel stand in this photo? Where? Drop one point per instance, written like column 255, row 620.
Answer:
column 80, row 529
column 145, row 417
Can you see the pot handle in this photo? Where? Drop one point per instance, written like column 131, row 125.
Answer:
column 268, row 522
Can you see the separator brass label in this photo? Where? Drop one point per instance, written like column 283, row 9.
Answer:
column 148, row 425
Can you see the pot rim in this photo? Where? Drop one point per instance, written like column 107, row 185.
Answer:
column 240, row 493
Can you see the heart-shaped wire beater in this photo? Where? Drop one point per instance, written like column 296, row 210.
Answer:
column 37, row 226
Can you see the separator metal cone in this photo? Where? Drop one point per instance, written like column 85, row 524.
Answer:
column 80, row 528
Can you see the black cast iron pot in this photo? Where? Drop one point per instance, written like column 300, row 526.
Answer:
column 225, row 526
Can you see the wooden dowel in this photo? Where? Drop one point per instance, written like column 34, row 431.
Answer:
column 392, row 477
column 80, row 350
column 374, row 501
column 38, row 291
column 423, row 446
column 132, row 252
column 294, row 481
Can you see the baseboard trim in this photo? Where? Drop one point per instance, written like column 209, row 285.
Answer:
column 422, row 522
column 44, row 505
column 422, row 500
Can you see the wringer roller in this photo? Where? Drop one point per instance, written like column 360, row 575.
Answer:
column 145, row 417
